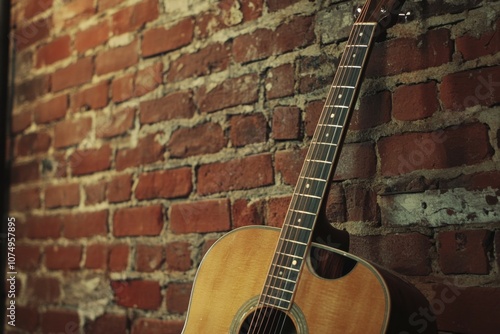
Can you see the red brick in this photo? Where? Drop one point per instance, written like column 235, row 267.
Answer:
column 202, row 139
column 462, row 309
column 172, row 183
column 248, row 129
column 373, row 110
column 178, row 297
column 51, row 110
column 54, row 51
column 146, row 80
column 275, row 5
column 122, row 88
column 149, row 258
column 32, row 89
column 313, row 112
column 288, row 164
column 208, row 23
column 107, row 4
column 286, row 123
column 126, row 221
column 415, row 102
column 472, row 47
column 73, row 75
column 395, row 56
column 137, row 294
column 207, row 245
column 276, row 211
column 200, row 217
column 75, row 10
column 154, row 40
column 117, row 59
column 335, row 207
column 156, row 326
column 407, row 254
column 59, row 321
column 313, row 74
column 97, row 257
column 27, row 318
column 464, row 252
column 91, row 98
column 28, row 257
column 211, row 59
column 115, row 123
column 118, row 257
column 245, row 213
column 178, row 256
column 32, row 32
column 356, row 161
column 95, row 193
column 245, row 173
column 85, row 162
column 21, row 121
column 108, row 323
column 63, row 195
column 34, row 8
column 119, row 188
column 25, row 172
column 361, row 203
column 280, row 81
column 464, row 145
column 86, row 225
column 33, row 143
column 63, row 257
column 148, row 150
column 92, row 37
column 466, row 89
column 172, row 106
column 476, row 181
column 251, row 9
column 263, row 43
column 43, row 290
column 230, row 93
column 44, row 227
column 134, row 17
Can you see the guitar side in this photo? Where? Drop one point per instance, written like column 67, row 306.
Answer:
column 234, row 270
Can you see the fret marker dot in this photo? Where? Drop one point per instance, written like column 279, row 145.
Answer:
column 327, row 135
column 281, row 273
column 332, row 115
column 360, row 34
column 294, row 262
column 308, row 185
column 354, row 55
column 340, row 96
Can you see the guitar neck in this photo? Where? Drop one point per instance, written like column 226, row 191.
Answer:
column 320, row 162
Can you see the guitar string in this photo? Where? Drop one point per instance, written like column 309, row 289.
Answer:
column 334, row 91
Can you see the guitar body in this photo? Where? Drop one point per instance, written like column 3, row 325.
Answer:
column 232, row 274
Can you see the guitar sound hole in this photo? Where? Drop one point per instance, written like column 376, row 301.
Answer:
column 267, row 320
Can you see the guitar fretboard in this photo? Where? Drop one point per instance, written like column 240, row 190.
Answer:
column 316, row 172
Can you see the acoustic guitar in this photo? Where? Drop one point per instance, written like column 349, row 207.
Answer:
column 264, row 280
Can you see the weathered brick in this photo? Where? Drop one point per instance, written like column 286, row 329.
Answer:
column 90, row 161
column 211, row 59
column 275, row 5
column 373, row 110
column 464, row 145
column 119, row 188
column 133, row 18
column 33, row 143
column 156, row 326
column 63, row 195
column 122, row 88
column 95, row 193
column 92, row 37
column 32, row 32
column 32, row 89
column 313, row 113
column 154, row 41
column 147, row 79
column 415, row 102
column 27, row 318
column 356, row 161
column 472, row 47
column 230, row 93
column 200, row 217
column 248, row 129
column 28, row 257
column 54, row 51
column 149, row 258
column 43, row 227
column 280, row 81
column 244, row 212
column 202, row 139
column 165, row 184
column 73, row 75
column 141, row 294
column 466, row 89
column 72, row 131
column 361, row 203
column 148, row 150
column 245, row 173
column 51, row 110
column 114, row 123
column 117, row 58
column 178, row 297
column 63, row 257
column 96, row 256
column 86, row 224
column 178, row 256
column 263, row 43
column 286, row 123
column 21, row 121
column 107, row 4
column 251, row 9
column 118, row 257
column 59, row 321
column 108, row 323
column 43, row 289
column 316, row 72
column 138, row 221
column 73, row 12
column 94, row 97
column 171, row 106
column 276, row 211
column 33, row 8
column 289, row 164
column 25, row 172
column 395, row 56
column 335, row 207
column 464, row 252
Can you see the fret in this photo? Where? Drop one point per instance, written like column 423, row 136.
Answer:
column 310, row 196
column 357, row 46
column 290, row 255
column 294, row 241
column 285, row 267
column 323, row 143
column 278, row 299
column 336, row 106
column 350, row 66
column 313, row 178
column 320, row 161
column 331, row 125
column 282, row 278
column 343, row 86
column 280, row 289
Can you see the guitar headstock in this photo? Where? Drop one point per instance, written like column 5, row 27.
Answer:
column 384, row 12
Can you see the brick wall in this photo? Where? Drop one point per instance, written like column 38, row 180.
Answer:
column 145, row 130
